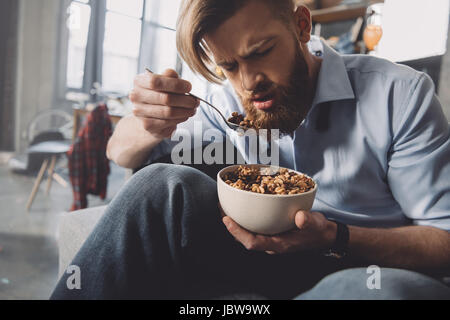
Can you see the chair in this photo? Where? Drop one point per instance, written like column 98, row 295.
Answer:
column 48, row 125
column 50, row 151
column 47, row 140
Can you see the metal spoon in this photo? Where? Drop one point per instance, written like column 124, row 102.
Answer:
column 231, row 125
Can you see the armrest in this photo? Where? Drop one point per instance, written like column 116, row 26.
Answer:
column 73, row 230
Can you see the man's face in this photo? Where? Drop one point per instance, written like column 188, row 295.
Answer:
column 262, row 58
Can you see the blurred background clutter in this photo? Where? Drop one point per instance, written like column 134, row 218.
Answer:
column 66, row 67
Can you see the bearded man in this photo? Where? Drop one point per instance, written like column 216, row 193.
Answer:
column 371, row 133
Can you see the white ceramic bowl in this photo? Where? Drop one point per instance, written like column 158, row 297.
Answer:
column 266, row 214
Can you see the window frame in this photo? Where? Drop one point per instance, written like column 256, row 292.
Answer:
column 93, row 66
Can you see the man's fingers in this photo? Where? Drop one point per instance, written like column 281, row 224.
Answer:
column 162, row 83
column 157, row 125
column 162, row 112
column 239, row 233
column 140, row 95
column 249, row 240
column 246, row 238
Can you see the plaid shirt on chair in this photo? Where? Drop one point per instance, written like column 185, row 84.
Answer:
column 88, row 164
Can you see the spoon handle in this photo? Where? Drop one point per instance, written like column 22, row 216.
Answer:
column 209, row 104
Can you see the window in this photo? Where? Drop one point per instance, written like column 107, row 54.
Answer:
column 121, row 44
column 159, row 50
column 110, row 41
column 103, row 44
column 78, row 25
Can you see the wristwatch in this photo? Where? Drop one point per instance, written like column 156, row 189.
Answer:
column 339, row 249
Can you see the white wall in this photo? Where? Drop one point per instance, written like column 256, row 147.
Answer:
column 37, row 62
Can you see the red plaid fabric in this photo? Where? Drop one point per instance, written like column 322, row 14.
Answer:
column 88, row 165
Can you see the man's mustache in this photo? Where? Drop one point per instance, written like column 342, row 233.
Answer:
column 261, row 90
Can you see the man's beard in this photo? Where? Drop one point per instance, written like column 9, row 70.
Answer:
column 292, row 102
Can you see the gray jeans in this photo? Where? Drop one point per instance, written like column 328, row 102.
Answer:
column 394, row 284
column 162, row 238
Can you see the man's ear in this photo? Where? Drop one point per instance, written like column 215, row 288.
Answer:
column 303, row 23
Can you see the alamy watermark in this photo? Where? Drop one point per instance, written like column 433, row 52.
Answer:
column 73, row 282
column 208, row 146
column 374, row 280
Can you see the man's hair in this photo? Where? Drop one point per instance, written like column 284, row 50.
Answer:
column 199, row 17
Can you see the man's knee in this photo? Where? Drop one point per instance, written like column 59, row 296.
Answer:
column 382, row 283
column 164, row 185
column 159, row 174
column 172, row 196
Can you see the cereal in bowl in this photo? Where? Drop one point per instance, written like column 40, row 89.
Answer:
column 282, row 182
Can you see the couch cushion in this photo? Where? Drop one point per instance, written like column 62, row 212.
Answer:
column 73, row 230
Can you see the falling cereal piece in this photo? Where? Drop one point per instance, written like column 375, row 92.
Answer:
column 5, row 281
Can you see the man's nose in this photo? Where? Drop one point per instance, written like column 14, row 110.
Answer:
column 250, row 79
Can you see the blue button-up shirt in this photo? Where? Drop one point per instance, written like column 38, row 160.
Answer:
column 375, row 140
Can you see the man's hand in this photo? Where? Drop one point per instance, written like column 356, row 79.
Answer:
column 313, row 231
column 161, row 103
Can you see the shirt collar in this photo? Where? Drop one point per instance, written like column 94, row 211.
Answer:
column 332, row 83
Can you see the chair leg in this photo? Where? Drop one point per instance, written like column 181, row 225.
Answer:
column 60, row 180
column 36, row 184
column 51, row 170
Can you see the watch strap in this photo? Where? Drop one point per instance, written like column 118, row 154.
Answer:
column 340, row 245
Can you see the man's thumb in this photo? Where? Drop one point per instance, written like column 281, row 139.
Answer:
column 301, row 219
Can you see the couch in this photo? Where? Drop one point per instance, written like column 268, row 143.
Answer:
column 73, row 230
